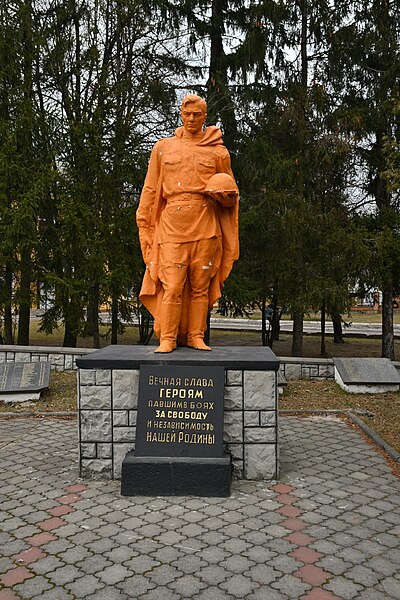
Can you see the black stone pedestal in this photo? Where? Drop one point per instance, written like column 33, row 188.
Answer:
column 175, row 476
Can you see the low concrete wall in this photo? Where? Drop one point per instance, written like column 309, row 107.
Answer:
column 64, row 359
column 307, row 368
column 60, row 359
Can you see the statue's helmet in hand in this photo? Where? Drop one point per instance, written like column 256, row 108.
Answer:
column 224, row 187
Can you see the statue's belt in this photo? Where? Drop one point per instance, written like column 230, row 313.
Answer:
column 185, row 199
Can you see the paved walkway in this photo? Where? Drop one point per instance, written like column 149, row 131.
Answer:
column 329, row 529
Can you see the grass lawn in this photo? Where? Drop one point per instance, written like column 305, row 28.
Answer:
column 353, row 346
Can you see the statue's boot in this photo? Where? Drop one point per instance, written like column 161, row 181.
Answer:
column 169, row 320
column 196, row 325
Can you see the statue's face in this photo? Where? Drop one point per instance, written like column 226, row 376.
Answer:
column 193, row 117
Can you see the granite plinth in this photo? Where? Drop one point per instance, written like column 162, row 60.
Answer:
column 230, row 357
column 108, row 384
column 175, row 476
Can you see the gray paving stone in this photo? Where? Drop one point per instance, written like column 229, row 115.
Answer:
column 266, row 593
column 136, row 586
column 54, row 594
column 391, row 586
column 263, row 574
column 83, row 587
column 160, row 593
column 291, row 586
column 164, row 574
column 363, row 575
column 93, row 564
column 213, row 593
column 382, row 565
column 32, row 587
column 14, row 547
column 64, row 575
column 166, row 555
column 344, row 588
column 74, row 555
column 114, row 574
column 47, row 565
column 239, row 586
column 109, row 593
column 188, row 585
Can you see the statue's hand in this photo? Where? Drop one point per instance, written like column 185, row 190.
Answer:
column 224, row 198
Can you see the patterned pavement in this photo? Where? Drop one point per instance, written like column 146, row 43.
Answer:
column 330, row 528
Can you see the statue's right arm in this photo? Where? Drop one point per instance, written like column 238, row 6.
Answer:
column 147, row 201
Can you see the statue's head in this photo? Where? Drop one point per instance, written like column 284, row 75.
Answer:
column 193, row 113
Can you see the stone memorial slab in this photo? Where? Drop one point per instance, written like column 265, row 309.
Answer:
column 179, row 434
column 180, row 411
column 20, row 382
column 366, row 375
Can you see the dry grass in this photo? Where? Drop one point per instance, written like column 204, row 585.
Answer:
column 357, row 347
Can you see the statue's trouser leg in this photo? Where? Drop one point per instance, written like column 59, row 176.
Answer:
column 201, row 270
column 169, row 318
column 197, row 323
column 173, row 273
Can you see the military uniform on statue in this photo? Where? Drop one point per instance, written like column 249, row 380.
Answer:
column 188, row 228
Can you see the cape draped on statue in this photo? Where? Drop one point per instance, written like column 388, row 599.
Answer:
column 151, row 205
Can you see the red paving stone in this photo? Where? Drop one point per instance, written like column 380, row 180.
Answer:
column 312, row 575
column 286, row 499
column 282, row 488
column 319, row 594
column 50, row 524
column 300, row 539
column 29, row 556
column 78, row 487
column 290, row 511
column 69, row 499
column 306, row 555
column 15, row 576
column 293, row 524
column 59, row 511
column 8, row 595
column 40, row 539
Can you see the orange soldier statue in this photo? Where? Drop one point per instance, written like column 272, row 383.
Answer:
column 188, row 228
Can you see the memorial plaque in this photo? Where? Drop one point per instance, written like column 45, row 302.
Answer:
column 23, row 381
column 180, row 411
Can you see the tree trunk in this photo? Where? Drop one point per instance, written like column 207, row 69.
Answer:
column 8, row 322
column 323, row 323
column 387, row 324
column 218, row 96
column 145, row 326
column 70, row 338
column 297, row 340
column 264, row 335
column 93, row 316
column 337, row 328
column 24, row 308
column 276, row 321
column 114, row 318
column 208, row 330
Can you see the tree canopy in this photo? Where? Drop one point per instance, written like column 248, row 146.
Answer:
column 307, row 95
